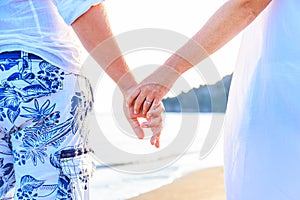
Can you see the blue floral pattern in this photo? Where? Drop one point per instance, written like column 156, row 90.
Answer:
column 49, row 79
column 7, row 178
column 28, row 185
column 7, row 175
column 38, row 131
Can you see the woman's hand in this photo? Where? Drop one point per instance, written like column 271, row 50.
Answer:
column 151, row 90
column 146, row 96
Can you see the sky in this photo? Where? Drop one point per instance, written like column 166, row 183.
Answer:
column 185, row 18
column 182, row 18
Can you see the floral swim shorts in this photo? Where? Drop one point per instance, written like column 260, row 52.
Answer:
column 43, row 134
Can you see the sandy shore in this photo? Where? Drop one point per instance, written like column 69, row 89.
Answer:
column 204, row 184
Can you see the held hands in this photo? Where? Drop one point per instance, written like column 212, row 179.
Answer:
column 153, row 117
column 151, row 90
column 145, row 96
column 144, row 101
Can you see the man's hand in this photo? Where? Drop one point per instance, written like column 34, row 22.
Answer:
column 155, row 122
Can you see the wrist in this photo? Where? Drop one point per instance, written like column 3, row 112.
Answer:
column 127, row 83
column 164, row 76
column 178, row 64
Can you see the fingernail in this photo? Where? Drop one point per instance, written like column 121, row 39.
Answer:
column 140, row 136
column 152, row 142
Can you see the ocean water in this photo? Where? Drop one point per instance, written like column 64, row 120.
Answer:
column 125, row 177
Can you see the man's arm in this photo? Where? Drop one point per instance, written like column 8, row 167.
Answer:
column 94, row 32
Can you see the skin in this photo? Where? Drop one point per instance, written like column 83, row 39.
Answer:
column 94, row 32
column 229, row 20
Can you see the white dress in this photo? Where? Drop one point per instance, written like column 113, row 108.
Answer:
column 262, row 130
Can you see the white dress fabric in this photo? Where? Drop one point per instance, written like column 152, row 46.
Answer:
column 262, row 129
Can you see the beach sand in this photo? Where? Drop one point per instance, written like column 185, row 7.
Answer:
column 205, row 184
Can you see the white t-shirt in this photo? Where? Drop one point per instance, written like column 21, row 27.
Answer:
column 42, row 27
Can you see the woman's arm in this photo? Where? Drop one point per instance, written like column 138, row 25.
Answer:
column 226, row 23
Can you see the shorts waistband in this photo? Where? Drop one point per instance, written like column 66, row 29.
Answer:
column 18, row 55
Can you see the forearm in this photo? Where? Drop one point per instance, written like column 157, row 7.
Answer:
column 94, row 32
column 225, row 24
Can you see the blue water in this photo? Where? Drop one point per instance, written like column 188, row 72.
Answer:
column 113, row 184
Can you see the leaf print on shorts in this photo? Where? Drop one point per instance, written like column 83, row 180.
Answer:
column 27, row 186
column 7, row 178
column 11, row 100
column 64, row 188
column 37, row 130
column 38, row 112
column 7, row 64
column 49, row 80
column 36, row 138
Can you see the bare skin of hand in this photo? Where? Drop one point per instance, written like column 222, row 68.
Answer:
column 151, row 90
column 154, row 122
